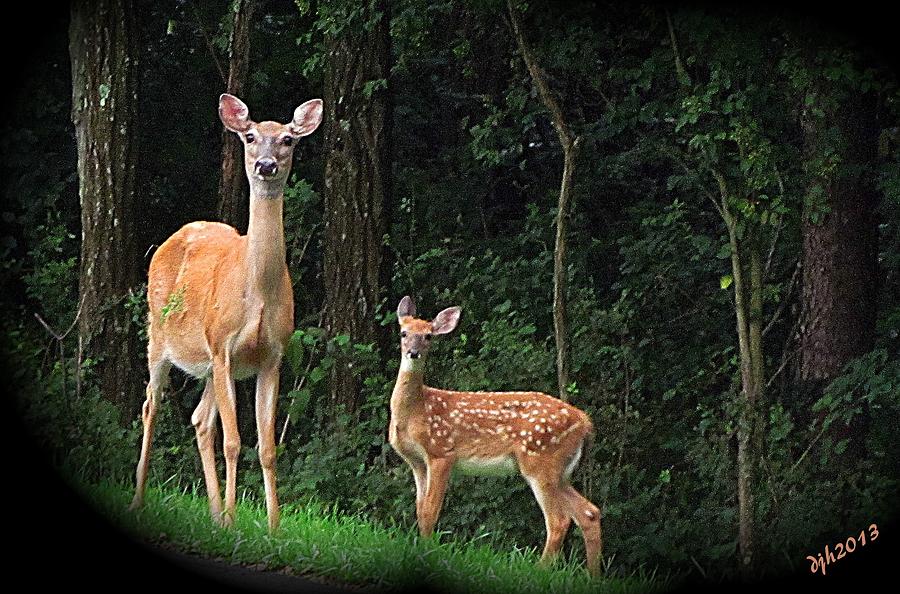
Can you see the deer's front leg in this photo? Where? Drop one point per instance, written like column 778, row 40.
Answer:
column 430, row 508
column 420, row 474
column 266, row 400
column 231, row 440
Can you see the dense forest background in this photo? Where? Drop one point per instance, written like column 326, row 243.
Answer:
column 723, row 297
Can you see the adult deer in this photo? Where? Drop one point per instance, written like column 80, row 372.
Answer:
column 435, row 431
column 222, row 308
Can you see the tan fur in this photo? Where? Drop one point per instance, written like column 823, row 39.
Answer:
column 221, row 308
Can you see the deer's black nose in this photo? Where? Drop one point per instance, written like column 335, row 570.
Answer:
column 266, row 166
column 414, row 354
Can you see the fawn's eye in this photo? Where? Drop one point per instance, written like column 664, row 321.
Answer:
column 403, row 334
column 428, row 337
column 287, row 141
column 250, row 137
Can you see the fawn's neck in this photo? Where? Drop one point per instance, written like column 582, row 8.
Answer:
column 407, row 393
column 265, row 237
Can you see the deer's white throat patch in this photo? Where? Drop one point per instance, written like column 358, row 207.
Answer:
column 409, row 364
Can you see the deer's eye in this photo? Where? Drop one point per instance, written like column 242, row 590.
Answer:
column 250, row 137
column 428, row 337
column 287, row 141
column 403, row 334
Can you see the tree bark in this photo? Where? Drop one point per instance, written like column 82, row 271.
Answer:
column 233, row 192
column 748, row 319
column 358, row 120
column 102, row 42
column 840, row 247
column 570, row 146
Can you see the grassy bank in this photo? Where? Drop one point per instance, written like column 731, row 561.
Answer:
column 317, row 542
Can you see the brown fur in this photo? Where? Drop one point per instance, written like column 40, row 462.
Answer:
column 436, row 430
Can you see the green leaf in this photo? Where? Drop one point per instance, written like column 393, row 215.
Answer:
column 299, row 402
column 316, row 375
column 294, row 351
column 726, row 281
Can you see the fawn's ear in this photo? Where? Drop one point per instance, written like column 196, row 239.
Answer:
column 407, row 307
column 446, row 321
column 307, row 118
column 234, row 113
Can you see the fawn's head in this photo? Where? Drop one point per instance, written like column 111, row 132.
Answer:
column 268, row 146
column 416, row 334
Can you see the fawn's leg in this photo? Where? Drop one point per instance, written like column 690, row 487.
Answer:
column 430, row 508
column 549, row 496
column 587, row 516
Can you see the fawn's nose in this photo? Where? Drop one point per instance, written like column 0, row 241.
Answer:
column 413, row 354
column 266, row 166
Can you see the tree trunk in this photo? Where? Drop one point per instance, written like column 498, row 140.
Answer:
column 840, row 254
column 570, row 146
column 748, row 318
column 358, row 123
column 102, row 38
column 840, row 248
column 232, row 207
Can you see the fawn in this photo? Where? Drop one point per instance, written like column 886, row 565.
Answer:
column 435, row 431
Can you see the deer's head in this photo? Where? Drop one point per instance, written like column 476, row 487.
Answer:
column 268, row 146
column 416, row 334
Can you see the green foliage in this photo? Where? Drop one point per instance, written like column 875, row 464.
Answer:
column 812, row 462
column 316, row 539
column 81, row 434
column 174, row 303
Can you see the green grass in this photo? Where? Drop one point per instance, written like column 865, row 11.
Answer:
column 315, row 541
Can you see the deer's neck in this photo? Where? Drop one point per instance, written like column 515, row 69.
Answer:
column 265, row 238
column 407, row 393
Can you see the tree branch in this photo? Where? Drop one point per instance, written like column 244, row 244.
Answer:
column 570, row 146
column 680, row 72
column 783, row 304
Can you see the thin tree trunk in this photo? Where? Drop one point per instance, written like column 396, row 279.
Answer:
column 358, row 120
column 570, row 146
column 232, row 207
column 750, row 348
column 102, row 42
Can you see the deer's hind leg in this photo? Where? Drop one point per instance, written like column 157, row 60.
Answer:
column 548, row 493
column 587, row 516
column 159, row 379
column 223, row 386
column 204, row 421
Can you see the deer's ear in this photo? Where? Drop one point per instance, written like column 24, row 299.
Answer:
column 446, row 321
column 307, row 118
column 234, row 113
column 407, row 307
